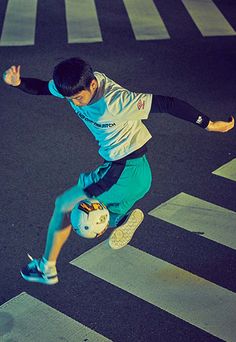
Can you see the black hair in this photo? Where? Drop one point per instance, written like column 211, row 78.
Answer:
column 72, row 76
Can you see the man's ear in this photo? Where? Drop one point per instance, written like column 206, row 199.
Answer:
column 93, row 85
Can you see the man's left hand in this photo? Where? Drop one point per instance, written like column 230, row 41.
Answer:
column 221, row 126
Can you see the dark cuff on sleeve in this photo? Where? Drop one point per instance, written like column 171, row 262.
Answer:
column 179, row 109
column 34, row 86
column 202, row 121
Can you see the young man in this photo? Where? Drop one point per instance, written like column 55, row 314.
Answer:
column 114, row 115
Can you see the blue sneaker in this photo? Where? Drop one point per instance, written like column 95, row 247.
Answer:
column 122, row 235
column 36, row 271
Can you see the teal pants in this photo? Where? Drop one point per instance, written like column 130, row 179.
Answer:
column 119, row 185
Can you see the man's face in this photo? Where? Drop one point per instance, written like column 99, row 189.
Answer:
column 84, row 97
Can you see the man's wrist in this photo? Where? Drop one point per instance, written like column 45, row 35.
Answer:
column 210, row 126
column 202, row 121
column 17, row 85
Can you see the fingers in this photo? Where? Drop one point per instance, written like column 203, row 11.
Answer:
column 13, row 70
column 8, row 72
column 230, row 123
column 12, row 75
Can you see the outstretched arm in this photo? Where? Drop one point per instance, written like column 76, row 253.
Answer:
column 32, row 86
column 185, row 111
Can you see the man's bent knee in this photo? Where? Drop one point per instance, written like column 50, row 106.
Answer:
column 66, row 201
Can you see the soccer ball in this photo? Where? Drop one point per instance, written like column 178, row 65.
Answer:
column 89, row 218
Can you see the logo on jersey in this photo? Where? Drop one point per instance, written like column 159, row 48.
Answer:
column 141, row 104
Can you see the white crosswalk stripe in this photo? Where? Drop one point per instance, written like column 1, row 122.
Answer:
column 181, row 293
column 145, row 19
column 26, row 319
column 195, row 215
column 208, row 18
column 82, row 21
column 227, row 171
column 83, row 25
column 19, row 24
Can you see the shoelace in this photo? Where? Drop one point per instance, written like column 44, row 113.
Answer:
column 30, row 257
column 34, row 262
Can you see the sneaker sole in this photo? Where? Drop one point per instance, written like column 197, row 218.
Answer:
column 40, row 280
column 122, row 235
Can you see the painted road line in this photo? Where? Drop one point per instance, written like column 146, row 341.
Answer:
column 26, row 319
column 19, row 23
column 227, row 170
column 208, row 18
column 181, row 293
column 194, row 215
column 145, row 20
column 82, row 22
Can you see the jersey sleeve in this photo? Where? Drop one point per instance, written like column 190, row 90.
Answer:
column 53, row 90
column 127, row 105
column 179, row 109
column 34, row 86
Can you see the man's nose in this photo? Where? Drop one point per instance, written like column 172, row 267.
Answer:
column 76, row 102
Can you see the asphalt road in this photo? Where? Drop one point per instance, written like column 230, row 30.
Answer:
column 44, row 147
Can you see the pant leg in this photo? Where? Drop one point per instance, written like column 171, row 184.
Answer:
column 119, row 185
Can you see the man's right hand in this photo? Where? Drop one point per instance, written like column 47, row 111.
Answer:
column 12, row 76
